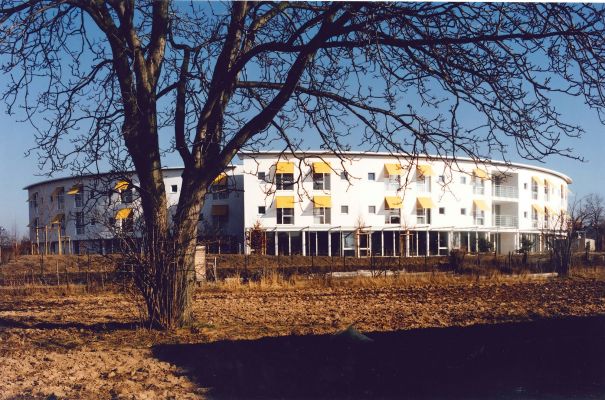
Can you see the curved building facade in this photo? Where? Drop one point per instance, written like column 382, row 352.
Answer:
column 316, row 203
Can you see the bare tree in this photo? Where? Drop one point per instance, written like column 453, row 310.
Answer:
column 127, row 81
column 561, row 237
column 594, row 208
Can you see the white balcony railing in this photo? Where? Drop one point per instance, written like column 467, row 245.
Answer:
column 506, row 221
column 478, row 189
column 510, row 192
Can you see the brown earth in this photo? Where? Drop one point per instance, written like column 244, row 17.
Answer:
column 75, row 344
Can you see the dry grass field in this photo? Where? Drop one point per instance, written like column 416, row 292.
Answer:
column 71, row 343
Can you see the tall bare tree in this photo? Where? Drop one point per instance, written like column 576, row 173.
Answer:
column 113, row 79
column 594, row 208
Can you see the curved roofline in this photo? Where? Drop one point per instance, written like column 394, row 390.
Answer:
column 566, row 178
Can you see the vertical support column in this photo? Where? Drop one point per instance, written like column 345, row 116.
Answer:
column 304, row 242
column 427, row 242
column 407, row 243
column 289, row 243
column 276, row 243
column 316, row 243
column 329, row 244
column 468, row 241
column 417, row 244
column 438, row 243
column 382, row 243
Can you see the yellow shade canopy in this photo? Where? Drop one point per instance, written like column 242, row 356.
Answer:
column 480, row 204
column 220, row 209
column 551, row 211
column 394, row 169
column 322, row 202
column 392, row 202
column 284, row 202
column 75, row 189
column 57, row 219
column 122, row 185
column 536, row 179
column 284, row 168
column 539, row 209
column 220, row 180
column 124, row 213
column 425, row 202
column 321, row 168
column 548, row 183
column 425, row 170
column 479, row 173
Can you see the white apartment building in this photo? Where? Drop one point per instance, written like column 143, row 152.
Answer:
column 90, row 213
column 316, row 203
column 375, row 203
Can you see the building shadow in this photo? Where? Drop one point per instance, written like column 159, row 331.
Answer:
column 562, row 358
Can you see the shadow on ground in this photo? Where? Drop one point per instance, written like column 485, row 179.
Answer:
column 31, row 323
column 562, row 358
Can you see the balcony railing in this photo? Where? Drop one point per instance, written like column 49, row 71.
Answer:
column 506, row 221
column 510, row 192
column 478, row 189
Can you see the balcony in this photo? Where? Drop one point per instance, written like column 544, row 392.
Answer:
column 509, row 192
column 506, row 221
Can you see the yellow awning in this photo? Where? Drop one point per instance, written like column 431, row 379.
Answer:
column 284, row 202
column 284, row 168
column 480, row 204
column 122, row 185
column 321, row 168
column 394, row 169
column 425, row 169
column 392, row 202
column 56, row 191
column 220, row 180
column 479, row 173
column 536, row 179
column 322, row 201
column 124, row 213
column 551, row 211
column 539, row 209
column 425, row 202
column 57, row 219
column 75, row 189
column 220, row 209
column 548, row 183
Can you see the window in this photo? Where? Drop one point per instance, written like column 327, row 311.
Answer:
column 534, row 190
column 534, row 218
column 423, row 183
column 442, row 210
column 441, row 179
column 463, row 180
column 262, row 210
column 394, row 182
column 525, row 186
column 261, row 176
column 219, row 221
column 284, row 181
column 524, row 214
column 423, row 215
column 344, row 209
column 479, row 216
column 126, row 196
column 478, row 185
column 174, row 188
column 344, row 175
column 393, row 216
column 371, row 176
column 93, row 221
column 321, row 181
column 220, row 195
column 79, row 223
column 91, row 194
column 34, row 202
column 546, row 193
column 61, row 199
column 372, row 209
column 79, row 198
column 321, row 215
column 463, row 211
column 285, row 216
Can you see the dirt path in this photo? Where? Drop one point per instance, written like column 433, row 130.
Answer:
column 78, row 345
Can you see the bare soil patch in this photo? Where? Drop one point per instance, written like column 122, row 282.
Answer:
column 75, row 344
